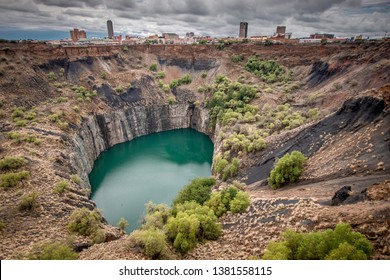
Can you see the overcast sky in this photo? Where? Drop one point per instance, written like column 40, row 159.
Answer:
column 345, row 18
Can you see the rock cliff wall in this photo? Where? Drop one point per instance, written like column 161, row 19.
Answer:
column 100, row 132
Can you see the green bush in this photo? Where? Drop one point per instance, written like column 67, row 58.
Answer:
column 171, row 100
column 191, row 224
column 269, row 71
column 287, row 169
column 11, row 163
column 29, row 201
column 11, row 179
column 125, row 48
column 166, row 88
column 240, row 203
column 226, row 169
column 2, row 226
column 230, row 199
column 75, row 178
column 160, row 75
column 339, row 244
column 52, row 251
column 236, row 58
column 123, row 224
column 156, row 216
column 19, row 138
column 61, row 187
column 152, row 241
column 153, row 67
column 85, row 222
column 17, row 113
column 119, row 89
column 185, row 80
column 203, row 75
column 198, row 190
column 51, row 76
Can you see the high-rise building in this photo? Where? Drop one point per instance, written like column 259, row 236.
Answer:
column 110, row 29
column 76, row 34
column 280, row 29
column 243, row 30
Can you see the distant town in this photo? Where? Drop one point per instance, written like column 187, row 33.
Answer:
column 79, row 37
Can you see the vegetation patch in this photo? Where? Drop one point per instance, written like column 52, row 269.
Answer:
column 229, row 100
column 287, row 169
column 230, row 199
column 52, row 251
column 11, row 179
column 20, row 137
column 339, row 244
column 8, row 163
column 61, row 187
column 87, row 223
column 226, row 168
column 269, row 71
column 29, row 201
column 198, row 190
column 185, row 80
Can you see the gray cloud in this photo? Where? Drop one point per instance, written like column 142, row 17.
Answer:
column 205, row 17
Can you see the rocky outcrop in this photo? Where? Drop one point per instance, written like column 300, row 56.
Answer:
column 100, row 132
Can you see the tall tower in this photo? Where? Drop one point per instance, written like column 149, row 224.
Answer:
column 110, row 29
column 243, row 30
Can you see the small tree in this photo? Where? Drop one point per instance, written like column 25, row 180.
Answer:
column 123, row 224
column 287, row 169
column 153, row 67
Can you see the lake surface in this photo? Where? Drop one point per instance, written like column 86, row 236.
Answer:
column 149, row 168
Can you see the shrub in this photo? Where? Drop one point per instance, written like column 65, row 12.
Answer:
column 103, row 76
column 2, row 226
column 240, row 203
column 269, row 71
column 11, row 163
column 152, row 241
column 52, row 251
column 51, row 76
column 62, row 99
column 21, row 123
column 119, row 89
column 61, row 187
column 237, row 58
column 123, row 224
column 76, row 179
column 338, row 244
column 1, row 103
column 230, row 199
column 17, row 113
column 29, row 201
column 166, row 88
column 54, row 118
column 153, row 67
column 125, row 48
column 171, row 100
column 85, row 222
column 198, row 190
column 203, row 74
column 11, row 179
column 192, row 223
column 62, row 72
column 156, row 216
column 30, row 116
column 160, row 75
column 287, row 169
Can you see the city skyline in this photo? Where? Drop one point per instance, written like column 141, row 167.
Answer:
column 345, row 18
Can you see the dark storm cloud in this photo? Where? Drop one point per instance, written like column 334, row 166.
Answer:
column 70, row 3
column 204, row 17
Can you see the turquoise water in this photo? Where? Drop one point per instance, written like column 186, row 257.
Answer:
column 149, row 168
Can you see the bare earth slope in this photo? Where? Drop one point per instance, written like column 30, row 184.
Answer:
column 347, row 145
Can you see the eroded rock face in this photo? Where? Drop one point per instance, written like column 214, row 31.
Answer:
column 100, row 132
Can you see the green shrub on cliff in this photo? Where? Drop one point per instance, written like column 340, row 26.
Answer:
column 269, row 71
column 287, row 169
column 61, row 187
column 198, row 190
column 29, row 201
column 230, row 199
column 11, row 179
column 11, row 163
column 85, row 222
column 153, row 67
column 52, row 251
column 226, row 168
column 191, row 224
column 152, row 242
column 339, row 244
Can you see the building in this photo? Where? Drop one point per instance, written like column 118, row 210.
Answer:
column 321, row 36
column 110, row 29
column 243, row 30
column 280, row 29
column 170, row 38
column 76, row 34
